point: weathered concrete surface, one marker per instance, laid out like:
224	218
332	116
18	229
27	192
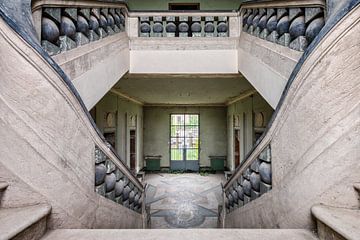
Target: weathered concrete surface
212	131
267	66
184	55
50	141
96	67
314	138
175	234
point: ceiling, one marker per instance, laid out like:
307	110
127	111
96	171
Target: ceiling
183	89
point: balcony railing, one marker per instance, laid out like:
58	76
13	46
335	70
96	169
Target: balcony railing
64	28
115	184
184	26
252	180
291	24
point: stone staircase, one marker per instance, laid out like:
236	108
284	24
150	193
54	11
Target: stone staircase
29	222
335	223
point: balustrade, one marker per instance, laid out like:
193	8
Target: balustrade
113	184
63	29
250	183
293	27
184	26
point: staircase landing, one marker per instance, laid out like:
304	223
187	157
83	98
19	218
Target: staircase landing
174	234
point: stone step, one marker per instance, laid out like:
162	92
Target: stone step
3	186
24	222
172	234
337	222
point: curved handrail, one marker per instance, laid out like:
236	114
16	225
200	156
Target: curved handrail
344	8
18	15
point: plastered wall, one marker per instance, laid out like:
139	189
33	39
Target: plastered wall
124	109
245	110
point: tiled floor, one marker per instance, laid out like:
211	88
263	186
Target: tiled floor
184	200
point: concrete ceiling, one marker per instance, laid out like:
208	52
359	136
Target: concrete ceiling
183	89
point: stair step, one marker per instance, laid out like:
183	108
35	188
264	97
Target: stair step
344	222
172	234
3	186
15	220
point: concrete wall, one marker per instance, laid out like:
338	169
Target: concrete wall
50	142
124	109
164	55
164	4
245	111
267	66
212	131
314	138
94	68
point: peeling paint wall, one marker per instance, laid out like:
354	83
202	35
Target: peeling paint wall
212	131
123	109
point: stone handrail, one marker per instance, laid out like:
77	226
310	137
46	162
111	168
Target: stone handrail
251	180
112	182
64	25
184	24
293	24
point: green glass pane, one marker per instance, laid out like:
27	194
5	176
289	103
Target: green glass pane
192	131
177	119
177	155
192	154
192	143
177	142
177	131
191	119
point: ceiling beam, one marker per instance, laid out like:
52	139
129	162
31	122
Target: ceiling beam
123	95
241	97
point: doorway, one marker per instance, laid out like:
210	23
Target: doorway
184	142
237	147
132	149
184	6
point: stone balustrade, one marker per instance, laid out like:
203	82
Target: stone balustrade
293	27
113	184
184	26
252	182
65	28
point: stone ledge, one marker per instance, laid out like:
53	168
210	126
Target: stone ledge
16	220
343	221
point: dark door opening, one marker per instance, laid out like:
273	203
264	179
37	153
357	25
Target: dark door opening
132	149
184	6
237	147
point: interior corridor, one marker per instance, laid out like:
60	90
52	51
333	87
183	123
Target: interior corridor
188	200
